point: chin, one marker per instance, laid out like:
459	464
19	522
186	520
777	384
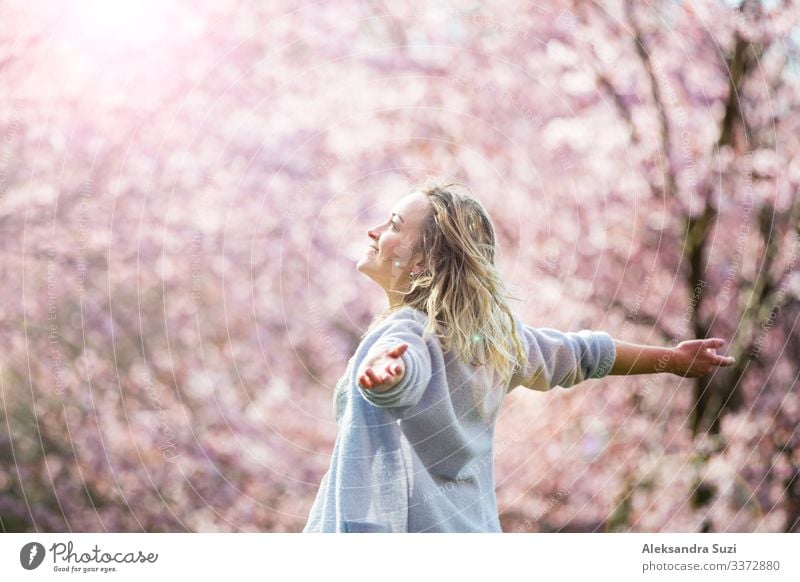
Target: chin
362	268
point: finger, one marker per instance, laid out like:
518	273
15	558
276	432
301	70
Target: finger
365	381
374	377
726	360
714	342
389	369
381	378
397	351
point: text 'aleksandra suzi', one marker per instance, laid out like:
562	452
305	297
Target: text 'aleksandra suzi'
693	549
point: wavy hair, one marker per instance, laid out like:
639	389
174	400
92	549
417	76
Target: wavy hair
460	288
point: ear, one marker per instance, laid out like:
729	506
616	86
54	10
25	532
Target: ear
419	264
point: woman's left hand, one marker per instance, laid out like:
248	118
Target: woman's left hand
698	357
383	369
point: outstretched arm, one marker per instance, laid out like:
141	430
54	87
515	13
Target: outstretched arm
690	358
396	368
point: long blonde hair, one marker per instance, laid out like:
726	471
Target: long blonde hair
460	288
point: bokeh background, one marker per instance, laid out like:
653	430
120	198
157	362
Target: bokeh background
185	189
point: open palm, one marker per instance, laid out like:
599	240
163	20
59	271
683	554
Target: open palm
382	369
694	358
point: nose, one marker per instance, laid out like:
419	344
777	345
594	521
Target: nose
371	233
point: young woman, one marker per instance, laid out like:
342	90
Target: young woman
417	404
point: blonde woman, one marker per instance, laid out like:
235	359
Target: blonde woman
417	404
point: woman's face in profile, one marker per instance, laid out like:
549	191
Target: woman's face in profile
387	259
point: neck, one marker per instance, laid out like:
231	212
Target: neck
395	299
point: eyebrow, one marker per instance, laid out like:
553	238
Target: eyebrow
398	216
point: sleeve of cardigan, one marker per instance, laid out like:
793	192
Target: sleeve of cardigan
563	359
417	360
